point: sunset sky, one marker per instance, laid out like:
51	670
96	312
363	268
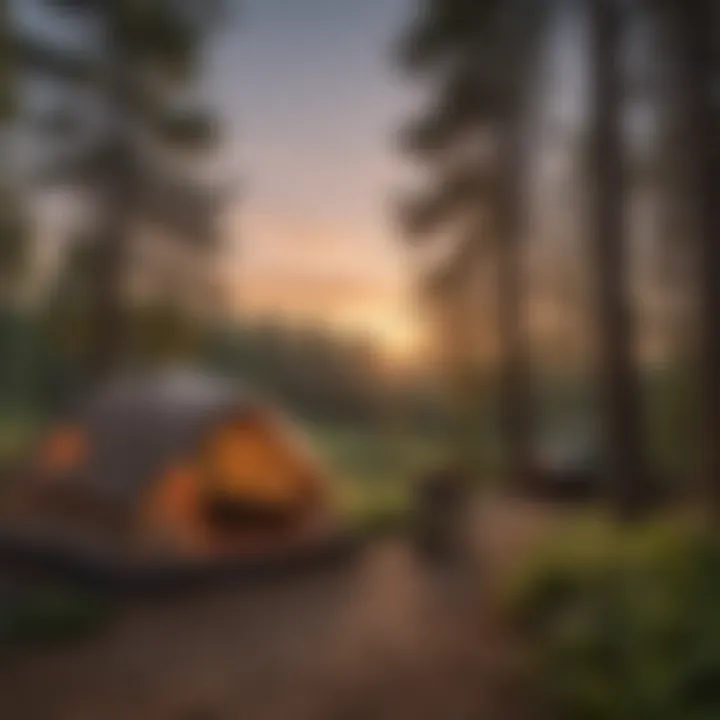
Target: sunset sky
310	101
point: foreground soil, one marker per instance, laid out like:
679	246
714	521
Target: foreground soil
387	637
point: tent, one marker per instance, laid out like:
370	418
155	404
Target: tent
176	464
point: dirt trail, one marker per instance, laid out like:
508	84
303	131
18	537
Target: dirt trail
386	638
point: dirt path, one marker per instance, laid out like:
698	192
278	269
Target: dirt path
387	638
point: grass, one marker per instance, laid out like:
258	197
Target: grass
375	472
17	432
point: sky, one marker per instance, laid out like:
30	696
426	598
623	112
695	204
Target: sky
310	100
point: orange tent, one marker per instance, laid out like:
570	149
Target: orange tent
178	462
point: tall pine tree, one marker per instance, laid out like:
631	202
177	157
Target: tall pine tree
134	146
479	56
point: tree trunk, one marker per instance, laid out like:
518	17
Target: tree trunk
515	385
109	332
109	326
619	383
695	26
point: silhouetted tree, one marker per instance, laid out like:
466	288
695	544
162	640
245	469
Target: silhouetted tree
133	148
482	56
13	222
619	386
693	29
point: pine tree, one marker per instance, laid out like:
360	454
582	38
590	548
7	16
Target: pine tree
480	56
619	382
13	223
134	149
693	31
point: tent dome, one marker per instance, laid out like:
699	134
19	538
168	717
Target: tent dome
138	422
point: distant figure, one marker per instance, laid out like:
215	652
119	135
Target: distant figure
440	500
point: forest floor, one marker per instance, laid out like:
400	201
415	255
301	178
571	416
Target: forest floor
387	637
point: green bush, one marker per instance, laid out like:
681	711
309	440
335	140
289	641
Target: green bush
623	624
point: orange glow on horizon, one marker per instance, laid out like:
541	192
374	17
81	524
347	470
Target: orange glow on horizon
377	309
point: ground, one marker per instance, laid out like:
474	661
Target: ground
386	637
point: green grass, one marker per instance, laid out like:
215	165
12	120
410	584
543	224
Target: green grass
375	472
17	432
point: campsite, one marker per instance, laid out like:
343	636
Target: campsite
359	359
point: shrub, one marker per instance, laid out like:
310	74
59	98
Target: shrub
623	624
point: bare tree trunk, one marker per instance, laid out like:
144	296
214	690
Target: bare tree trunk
619	384
516	387
109	327
695	26
109	332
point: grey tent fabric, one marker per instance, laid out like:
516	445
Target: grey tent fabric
138	423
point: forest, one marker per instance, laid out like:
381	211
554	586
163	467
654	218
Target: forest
553	443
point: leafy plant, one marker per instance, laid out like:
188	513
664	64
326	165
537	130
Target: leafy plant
623	624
